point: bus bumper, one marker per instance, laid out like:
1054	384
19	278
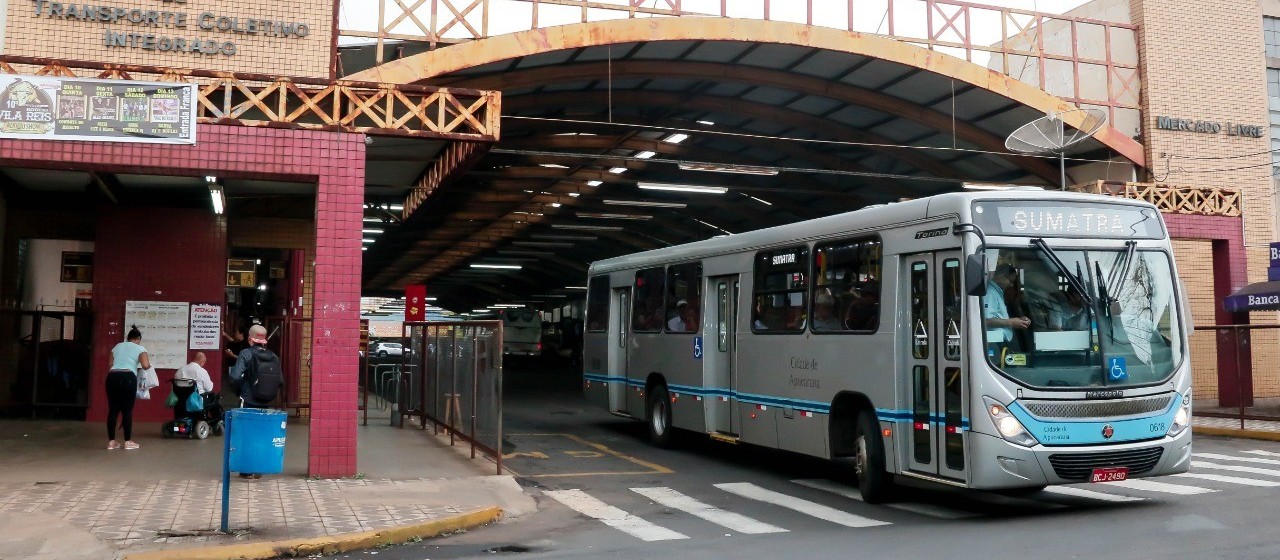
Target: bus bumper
1015	466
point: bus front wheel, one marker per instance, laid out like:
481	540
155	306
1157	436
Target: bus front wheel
873	482
659	416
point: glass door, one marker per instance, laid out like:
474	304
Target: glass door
935	340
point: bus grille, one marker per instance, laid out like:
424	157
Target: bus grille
1078	466
1096	409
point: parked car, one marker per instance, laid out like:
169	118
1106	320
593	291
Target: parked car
384	349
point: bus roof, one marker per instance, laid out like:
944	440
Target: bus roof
871	217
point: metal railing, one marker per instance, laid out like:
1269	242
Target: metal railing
1255	395
1086	61
261	100
451	378
1171	199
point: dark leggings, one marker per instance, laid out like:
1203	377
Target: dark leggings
122	390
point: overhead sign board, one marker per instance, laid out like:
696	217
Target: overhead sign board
56	108
1029	218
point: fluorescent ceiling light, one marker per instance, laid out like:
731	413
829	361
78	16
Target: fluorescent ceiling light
560	244
499	266
683	188
507	305
555	236
760	200
676	138
366	240
210	179
613	216
575	287
729	168
396	207
583	227
708	123
555	204
646	154
594	183
617	170
525	253
479	310
218	199
431	299
649	203
554	165
575	195
371	230
364	248
372	219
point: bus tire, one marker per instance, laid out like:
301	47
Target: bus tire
874	483
658	416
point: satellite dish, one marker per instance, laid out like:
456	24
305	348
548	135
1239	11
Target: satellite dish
1050	135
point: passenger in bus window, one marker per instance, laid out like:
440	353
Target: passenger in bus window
996	311
677	322
824	313
864	309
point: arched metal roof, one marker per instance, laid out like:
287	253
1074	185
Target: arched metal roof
839	120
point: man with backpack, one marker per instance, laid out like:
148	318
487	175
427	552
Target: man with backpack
257	375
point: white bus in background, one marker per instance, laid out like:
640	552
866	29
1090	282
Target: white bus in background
992	340
521	332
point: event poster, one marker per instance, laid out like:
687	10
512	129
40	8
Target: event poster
56	108
164	326
206	326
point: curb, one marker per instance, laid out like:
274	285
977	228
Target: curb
326	545
1236	432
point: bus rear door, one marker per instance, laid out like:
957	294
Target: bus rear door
934	287
718	353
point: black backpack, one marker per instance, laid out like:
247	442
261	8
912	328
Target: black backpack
265	376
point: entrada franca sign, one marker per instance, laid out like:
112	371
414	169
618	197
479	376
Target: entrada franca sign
1209	127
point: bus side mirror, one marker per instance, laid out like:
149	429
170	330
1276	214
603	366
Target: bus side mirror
975	275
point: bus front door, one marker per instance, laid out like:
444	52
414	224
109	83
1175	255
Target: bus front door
718	354
620	393
934	350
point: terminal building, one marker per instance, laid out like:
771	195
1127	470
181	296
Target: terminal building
192	166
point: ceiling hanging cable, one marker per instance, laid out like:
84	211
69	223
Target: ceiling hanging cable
706	132
609	79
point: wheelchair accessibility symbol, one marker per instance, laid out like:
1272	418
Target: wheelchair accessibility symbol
697	348
1116	369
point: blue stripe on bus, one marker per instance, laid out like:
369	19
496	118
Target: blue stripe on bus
1059	432
885	415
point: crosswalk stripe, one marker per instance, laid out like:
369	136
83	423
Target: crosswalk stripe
1234	458
733	521
853	494
1230	479
748	490
1091	494
1236	468
1165	488
1261	452
583	503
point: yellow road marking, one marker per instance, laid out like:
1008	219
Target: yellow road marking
654	468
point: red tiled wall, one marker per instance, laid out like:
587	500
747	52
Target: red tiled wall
335	161
151	254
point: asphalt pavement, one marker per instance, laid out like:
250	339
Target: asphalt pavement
604	492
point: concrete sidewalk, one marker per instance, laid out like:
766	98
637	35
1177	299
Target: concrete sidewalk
63	495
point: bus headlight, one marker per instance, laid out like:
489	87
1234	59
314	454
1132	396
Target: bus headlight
1009	427
1183	418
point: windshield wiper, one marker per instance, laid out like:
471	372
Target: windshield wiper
1076	283
1116	280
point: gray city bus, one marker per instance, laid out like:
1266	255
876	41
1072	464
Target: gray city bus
1007	339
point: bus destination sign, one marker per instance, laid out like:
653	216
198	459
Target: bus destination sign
1066	219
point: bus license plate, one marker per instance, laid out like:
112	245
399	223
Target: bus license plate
1109	474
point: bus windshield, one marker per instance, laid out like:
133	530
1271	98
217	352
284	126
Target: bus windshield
1041	331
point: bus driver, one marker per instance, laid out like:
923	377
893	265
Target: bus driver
994	309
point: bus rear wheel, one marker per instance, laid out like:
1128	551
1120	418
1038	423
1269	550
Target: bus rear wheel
659	416
874	483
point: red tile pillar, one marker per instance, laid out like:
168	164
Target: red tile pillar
335	333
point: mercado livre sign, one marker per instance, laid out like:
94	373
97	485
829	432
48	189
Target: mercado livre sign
169	30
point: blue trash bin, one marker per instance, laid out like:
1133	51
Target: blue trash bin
256	440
